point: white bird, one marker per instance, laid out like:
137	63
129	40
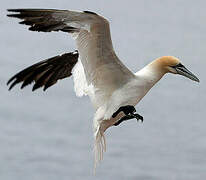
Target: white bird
113	89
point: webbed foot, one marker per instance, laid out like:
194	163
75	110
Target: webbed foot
129	114
125	109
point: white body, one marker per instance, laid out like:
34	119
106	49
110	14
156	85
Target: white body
128	93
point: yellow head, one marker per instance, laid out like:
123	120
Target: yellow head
171	64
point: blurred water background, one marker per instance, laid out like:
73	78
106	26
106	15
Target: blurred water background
48	135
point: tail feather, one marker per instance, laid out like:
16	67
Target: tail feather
99	147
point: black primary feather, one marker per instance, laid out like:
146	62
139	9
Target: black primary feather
90	12
44	20
47	72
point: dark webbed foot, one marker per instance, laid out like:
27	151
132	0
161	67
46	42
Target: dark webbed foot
125	118
125	109
138	117
129	114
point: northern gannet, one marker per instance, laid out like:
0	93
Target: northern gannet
97	71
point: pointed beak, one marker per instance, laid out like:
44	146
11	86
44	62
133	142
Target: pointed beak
182	70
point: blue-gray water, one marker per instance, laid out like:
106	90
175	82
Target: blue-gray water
48	135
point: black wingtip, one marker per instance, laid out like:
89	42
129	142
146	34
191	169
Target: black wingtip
11	10
45	73
23	85
9	81
10	15
17	10
9	89
36	86
45	88
90	12
12	85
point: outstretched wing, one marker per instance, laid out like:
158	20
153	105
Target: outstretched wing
46	73
103	70
99	66
47	20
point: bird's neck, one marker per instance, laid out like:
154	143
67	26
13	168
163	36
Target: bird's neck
150	74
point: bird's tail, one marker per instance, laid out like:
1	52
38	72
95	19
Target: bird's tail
99	143
100	125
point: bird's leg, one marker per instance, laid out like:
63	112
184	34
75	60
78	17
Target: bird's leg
129	114
125	118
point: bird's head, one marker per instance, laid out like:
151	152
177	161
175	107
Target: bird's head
171	64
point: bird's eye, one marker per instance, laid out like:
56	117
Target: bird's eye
178	66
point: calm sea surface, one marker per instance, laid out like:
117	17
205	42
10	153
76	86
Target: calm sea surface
48	135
